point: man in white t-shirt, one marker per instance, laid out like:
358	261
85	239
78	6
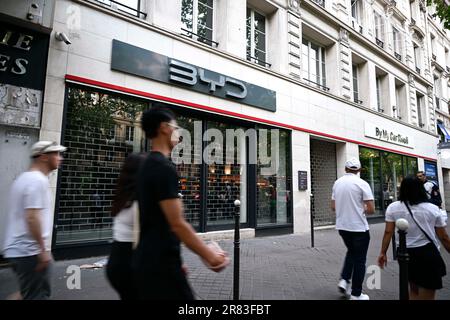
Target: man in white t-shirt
27	239
352	198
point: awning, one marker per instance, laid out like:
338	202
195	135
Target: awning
444	131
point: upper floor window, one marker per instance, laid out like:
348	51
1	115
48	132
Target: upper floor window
129	6
355	84
417	57
354	4
378	88
197	19
420	111
256	37
433	47
379	29
313	63
396	43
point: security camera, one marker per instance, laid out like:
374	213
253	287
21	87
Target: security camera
60	36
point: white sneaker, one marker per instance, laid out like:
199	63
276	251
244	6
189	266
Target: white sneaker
344	287
363	296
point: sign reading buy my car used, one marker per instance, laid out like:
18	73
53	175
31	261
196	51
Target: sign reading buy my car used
386	134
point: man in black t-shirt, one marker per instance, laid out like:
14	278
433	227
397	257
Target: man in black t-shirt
157	261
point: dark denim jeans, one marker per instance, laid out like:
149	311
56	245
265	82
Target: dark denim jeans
357	244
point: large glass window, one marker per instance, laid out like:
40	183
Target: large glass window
379	29
313	63
273	189
98	137
197	19
384	172
396	43
355	83
256	37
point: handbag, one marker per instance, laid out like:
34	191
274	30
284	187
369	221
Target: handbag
441	262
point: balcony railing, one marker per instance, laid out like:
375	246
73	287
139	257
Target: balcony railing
438	106
398	56
124	8
413	22
358	101
379	43
320	3
199	37
418	70
448	68
433	56
260	62
313	83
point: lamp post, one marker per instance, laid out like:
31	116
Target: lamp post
403	258
237	221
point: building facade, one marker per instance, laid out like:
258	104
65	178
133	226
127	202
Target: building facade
323	80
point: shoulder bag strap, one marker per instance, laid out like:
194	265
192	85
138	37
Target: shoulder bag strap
426	234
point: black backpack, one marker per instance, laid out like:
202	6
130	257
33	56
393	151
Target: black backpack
435	195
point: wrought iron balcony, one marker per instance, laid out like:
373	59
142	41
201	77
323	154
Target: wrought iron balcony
200	38
433	56
320	3
379	43
313	83
417	69
398	56
124	8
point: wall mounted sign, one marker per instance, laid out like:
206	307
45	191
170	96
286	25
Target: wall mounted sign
141	62
389	135
302	180
23	63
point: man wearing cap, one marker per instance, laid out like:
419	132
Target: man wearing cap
352	199
27	238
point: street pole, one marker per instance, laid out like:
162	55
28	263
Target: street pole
237	221
403	258
311	219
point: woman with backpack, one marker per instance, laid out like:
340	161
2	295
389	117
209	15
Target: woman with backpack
426	266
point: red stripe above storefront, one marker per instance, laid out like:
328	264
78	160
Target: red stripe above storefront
144	94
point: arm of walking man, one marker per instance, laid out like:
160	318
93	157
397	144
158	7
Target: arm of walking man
388	232
333	205
173	211
370	206
33	219
443	237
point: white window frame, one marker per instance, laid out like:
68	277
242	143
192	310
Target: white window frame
252	36
195	4
322	65
417	55
355	83
395	40
379	26
378	88
420	123
355	9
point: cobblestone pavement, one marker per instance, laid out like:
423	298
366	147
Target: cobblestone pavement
272	268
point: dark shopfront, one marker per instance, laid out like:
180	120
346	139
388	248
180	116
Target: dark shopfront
102	128
384	172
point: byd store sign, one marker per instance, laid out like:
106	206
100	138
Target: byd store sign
151	65
388	135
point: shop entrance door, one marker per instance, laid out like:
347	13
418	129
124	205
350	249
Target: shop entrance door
323	176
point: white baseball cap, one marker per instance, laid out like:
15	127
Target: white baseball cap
42	147
353	164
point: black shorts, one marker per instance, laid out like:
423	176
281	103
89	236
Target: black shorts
424	267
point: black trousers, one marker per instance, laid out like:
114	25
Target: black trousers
354	268
119	271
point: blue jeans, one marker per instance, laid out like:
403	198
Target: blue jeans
357	244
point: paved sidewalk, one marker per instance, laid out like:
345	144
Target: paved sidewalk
277	267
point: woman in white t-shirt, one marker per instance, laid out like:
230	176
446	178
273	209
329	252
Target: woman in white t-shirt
124	210
425	267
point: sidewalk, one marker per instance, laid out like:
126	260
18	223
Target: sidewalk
272	268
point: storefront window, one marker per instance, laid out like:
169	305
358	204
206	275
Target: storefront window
370	172
273	190
226	176
98	138
190	172
384	171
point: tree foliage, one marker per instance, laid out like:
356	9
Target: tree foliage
442	11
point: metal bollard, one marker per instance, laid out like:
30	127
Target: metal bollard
403	258
237	222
